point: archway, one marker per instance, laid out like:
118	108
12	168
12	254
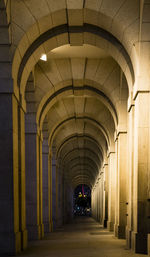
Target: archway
82	200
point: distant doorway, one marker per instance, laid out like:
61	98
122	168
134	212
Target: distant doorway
82	201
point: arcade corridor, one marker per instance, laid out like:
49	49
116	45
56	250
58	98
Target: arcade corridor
83	238
74	111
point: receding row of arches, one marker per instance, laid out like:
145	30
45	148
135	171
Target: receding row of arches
79	117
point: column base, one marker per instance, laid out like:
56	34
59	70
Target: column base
10	243
17	239
105	223
51	226
46	228
119	231
59	223
148	244
110	225
139	242
41	231
115	230
128	238
34	232
54	224
24	238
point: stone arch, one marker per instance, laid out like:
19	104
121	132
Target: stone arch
106	135
50	99
89	137
27	61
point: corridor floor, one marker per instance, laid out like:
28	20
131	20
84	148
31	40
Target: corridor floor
83	238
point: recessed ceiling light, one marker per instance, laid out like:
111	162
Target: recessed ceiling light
43	57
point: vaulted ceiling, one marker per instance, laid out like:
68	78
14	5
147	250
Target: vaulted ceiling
78	97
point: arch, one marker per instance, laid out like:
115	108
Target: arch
81	171
96	123
77	135
84	159
124	60
82	180
81	149
77	183
50	98
74	29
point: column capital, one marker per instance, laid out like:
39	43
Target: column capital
142	86
121	130
39	133
109	153
104	165
131	102
23	103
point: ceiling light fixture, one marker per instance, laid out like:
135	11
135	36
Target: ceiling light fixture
43	57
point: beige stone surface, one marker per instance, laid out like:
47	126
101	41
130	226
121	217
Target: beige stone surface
85	107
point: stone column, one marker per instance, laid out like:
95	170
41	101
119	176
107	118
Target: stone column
50	190
33	180
129	203
54	183
22	192
105	196
68	202
141	194
94	203
60	198
121	198
111	193
13	234
101	195
46	194
97	201
40	171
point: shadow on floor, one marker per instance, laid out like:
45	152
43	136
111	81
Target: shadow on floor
84	237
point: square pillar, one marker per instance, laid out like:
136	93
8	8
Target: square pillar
59	196
33	180
101	196
13	233
121	180
129	203
105	196
46	184
141	177
54	189
111	192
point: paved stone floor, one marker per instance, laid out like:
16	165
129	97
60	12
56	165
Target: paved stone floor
83	238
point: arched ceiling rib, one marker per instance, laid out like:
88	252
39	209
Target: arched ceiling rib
82	180
74	29
80	158
79	144
99	139
81	161
83	118
75	152
70	91
79	101
121	17
85	139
